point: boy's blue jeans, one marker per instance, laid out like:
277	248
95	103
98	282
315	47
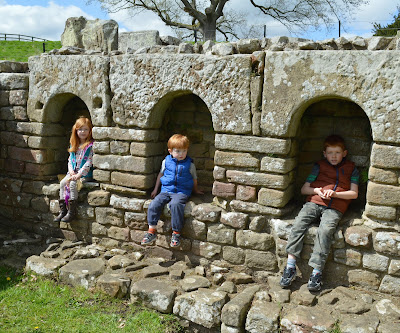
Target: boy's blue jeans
177	202
323	241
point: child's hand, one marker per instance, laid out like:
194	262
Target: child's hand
318	190
153	194
76	177
329	194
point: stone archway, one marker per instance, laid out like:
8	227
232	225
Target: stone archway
334	116
68	108
188	115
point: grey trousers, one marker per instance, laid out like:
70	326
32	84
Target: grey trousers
323	241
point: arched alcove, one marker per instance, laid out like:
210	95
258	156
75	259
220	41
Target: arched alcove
66	108
188	115
334	116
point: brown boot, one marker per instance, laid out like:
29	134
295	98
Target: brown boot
63	211
71	211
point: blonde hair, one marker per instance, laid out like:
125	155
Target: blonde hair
178	141
74	140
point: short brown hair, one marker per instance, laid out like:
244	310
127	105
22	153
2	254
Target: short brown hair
334	141
178	141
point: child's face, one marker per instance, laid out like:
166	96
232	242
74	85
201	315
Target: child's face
83	133
334	154
179	154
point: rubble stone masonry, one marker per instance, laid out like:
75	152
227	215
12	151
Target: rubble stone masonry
256	112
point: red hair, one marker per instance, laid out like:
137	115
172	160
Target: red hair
178	141
334	141
74	140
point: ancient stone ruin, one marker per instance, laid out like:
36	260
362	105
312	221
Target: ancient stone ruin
256	112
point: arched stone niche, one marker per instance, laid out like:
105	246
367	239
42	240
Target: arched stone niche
333	116
65	108
186	113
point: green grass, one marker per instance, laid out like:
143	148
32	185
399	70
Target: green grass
21	51
33	304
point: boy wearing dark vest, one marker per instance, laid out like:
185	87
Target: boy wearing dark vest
177	178
330	187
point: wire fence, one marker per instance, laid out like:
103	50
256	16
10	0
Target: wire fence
23	38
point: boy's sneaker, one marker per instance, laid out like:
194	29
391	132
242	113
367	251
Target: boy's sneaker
175	240
148	238
315	283
289	274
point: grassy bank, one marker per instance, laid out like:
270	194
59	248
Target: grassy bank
21	51
32	304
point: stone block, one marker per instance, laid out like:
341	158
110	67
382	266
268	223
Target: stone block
14	81
385	156
124	163
39	142
382	176
202	307
207	250
387	242
18	97
258	179
221	234
147	149
101	147
44	266
194	282
394	267
206	212
275	198
136	181
252	144
254	240
380	212
252	207
98	198
375	262
121	234
106	215
278	165
138	39
246	193
249	45
219	172
119	147
302	319
157	295
358	236
263	317
98	229
131	204
114	285
390	285
30	155
224	190
261	260
235	219
243	160
234	312
4	95
194	229
233	255
82	272
126	134
386	195
348	257
102	175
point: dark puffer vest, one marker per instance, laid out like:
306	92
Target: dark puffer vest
177	177
335	178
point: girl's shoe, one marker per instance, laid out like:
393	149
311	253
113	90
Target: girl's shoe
175	240
148	238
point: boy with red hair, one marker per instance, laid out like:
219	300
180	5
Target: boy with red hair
177	178
330	187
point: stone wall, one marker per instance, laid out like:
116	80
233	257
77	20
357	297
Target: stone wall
256	113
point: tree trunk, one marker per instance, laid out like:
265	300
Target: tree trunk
209	30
